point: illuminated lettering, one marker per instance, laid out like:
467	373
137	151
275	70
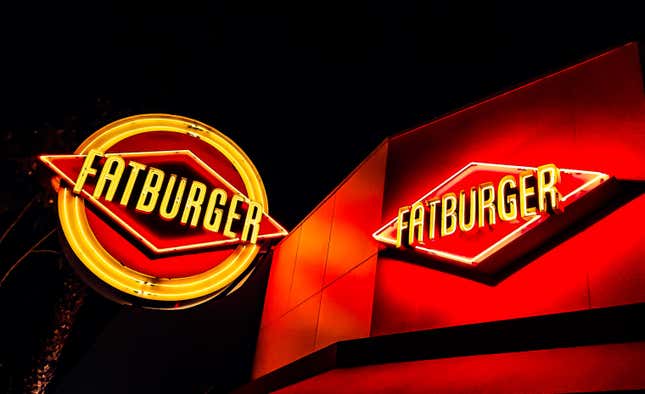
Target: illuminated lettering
112	171
486	201
166	195
232	216
134	173
150	192
164	213
463	224
525	193
86	170
415	233
196	196
252	221
532	192
504	199
433	217
546	188
213	216
401	225
448	214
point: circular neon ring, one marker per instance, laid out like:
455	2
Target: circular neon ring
91	253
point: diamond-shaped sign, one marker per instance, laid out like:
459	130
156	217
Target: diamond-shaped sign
161	211
470	243
159	235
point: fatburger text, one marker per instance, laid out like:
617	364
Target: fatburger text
214	210
531	193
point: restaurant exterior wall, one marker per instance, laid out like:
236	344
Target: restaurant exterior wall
330	280
321	285
589	117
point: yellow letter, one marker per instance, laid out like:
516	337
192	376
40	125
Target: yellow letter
136	167
463	226
503	199
196	196
401	225
525	193
486	202
109	174
448	213
232	215
417	214
433	217
151	188
163	208
253	217
213	216
86	170
544	187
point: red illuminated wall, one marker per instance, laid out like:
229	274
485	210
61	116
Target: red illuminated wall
321	286
328	282
585	369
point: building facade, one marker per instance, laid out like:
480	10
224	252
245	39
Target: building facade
345	313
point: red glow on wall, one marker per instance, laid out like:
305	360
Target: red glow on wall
583	369
472	247
156	235
591	117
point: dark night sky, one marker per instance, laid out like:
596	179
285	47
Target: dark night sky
307	89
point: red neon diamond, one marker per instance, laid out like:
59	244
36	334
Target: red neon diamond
158	236
475	246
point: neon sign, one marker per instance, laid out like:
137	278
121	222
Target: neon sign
483	208
163	209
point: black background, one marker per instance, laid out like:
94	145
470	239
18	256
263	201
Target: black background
307	89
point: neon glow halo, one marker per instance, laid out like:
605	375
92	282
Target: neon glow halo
99	262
